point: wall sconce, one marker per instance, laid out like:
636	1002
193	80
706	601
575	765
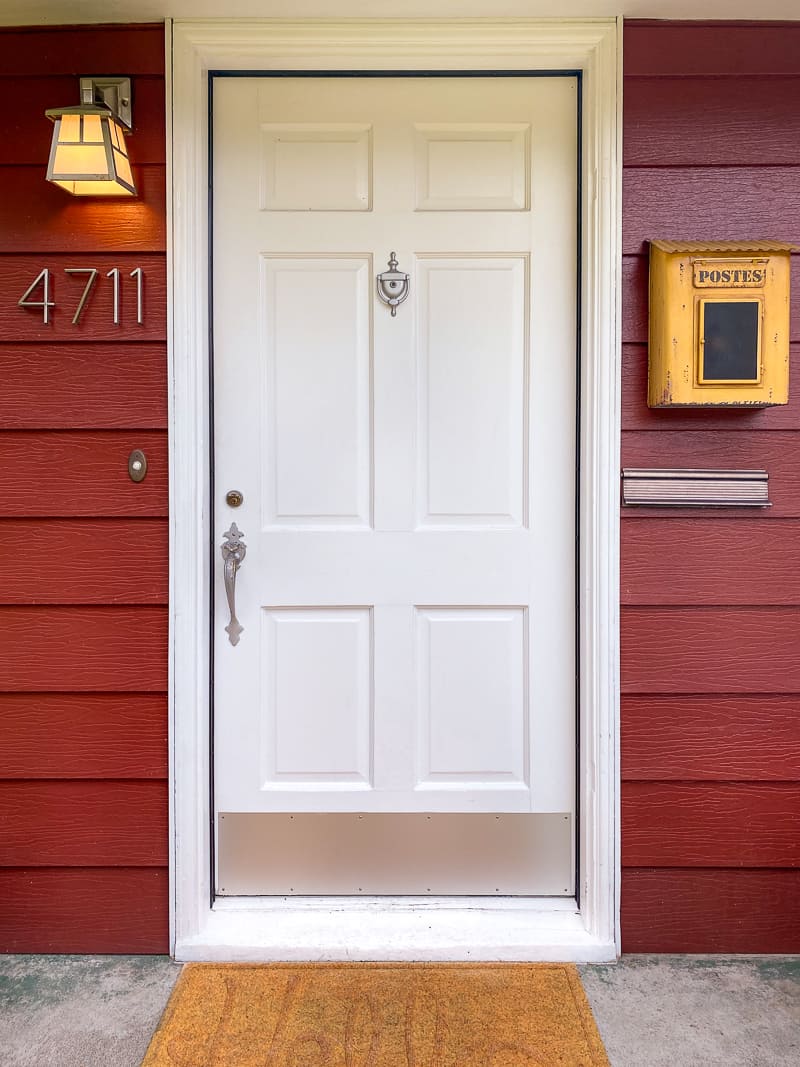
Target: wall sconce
88	156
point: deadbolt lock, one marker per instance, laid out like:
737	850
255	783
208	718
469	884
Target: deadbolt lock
234	499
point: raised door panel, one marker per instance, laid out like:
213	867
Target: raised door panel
323	167
472	167
316	729
472	373
473	698
316	391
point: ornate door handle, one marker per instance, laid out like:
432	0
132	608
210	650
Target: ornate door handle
393	285
233	552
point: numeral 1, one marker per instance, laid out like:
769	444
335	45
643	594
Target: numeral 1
114	275
45	303
138	274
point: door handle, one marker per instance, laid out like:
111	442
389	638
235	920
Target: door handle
233	552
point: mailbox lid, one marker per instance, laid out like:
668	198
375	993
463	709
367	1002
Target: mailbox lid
723	247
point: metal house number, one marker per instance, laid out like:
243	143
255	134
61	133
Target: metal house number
43	282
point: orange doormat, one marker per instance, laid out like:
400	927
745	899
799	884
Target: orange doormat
377	1015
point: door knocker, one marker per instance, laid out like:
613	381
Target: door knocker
393	286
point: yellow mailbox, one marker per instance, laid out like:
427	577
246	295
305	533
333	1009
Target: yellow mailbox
719	324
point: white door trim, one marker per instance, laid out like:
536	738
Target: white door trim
450	928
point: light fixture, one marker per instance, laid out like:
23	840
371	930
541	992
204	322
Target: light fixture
88	156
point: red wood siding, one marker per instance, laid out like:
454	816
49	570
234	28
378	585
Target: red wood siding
706	561
33	215
25	99
710	650
111	386
86	561
53	473
83	824
101	735
83	649
84	909
710	599
71	50
720	824
710	738
96	324
710	910
83	566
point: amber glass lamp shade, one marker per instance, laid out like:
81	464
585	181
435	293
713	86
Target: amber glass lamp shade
88	156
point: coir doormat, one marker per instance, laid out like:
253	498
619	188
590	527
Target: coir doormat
377	1015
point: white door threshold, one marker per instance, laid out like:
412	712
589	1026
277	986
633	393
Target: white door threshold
253	930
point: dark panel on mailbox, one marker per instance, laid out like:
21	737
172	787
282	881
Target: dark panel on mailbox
730	331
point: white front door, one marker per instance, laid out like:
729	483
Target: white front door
398	713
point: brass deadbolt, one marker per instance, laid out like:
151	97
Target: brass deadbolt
234	499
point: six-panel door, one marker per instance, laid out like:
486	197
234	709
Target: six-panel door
408	591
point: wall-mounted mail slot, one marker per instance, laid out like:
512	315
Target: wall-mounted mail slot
719	324
660	488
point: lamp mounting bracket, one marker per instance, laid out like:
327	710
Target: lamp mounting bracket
114	92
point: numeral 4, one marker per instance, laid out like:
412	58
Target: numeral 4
45	303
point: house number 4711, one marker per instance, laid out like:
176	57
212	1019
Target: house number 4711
43	283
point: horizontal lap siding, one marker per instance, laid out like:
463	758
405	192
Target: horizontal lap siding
83	649
34	216
51	473
84	560
24	100
732	738
710	910
101	386
777	452
83	824
710	562
84	909
710	599
722	824
101	735
710	649
702	203
96	322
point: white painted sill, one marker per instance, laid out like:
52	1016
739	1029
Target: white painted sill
403	929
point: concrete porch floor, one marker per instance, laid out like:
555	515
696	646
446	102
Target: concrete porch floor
652	1011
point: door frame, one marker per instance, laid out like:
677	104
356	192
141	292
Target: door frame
393	928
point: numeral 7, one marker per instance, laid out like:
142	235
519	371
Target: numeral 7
92	272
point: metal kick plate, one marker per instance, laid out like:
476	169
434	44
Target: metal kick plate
395	854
